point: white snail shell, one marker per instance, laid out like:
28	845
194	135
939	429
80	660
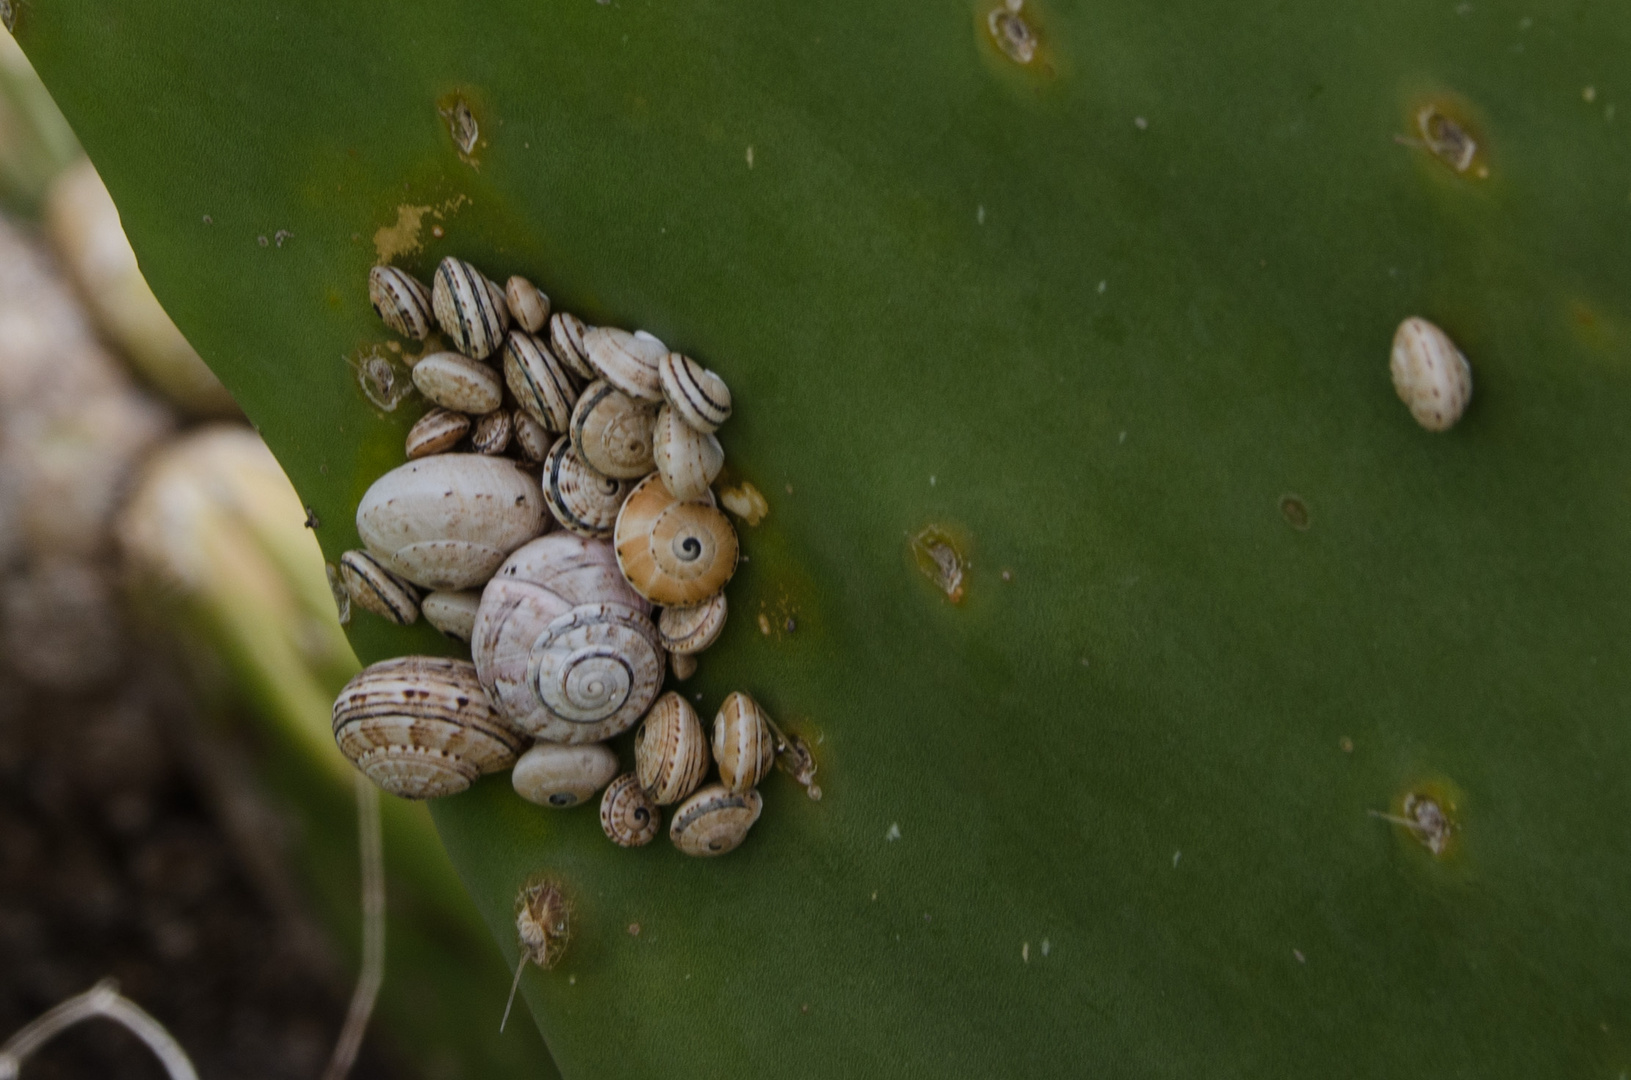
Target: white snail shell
370	585
566	341
454	381
673	552
744	745
627	815
700	397
491	434
447	521
541	384
581	499
554	774
420	726
714	821
471	310
612	432
437	432
1430	374
626	361
686	631
531	438
451	611
686	459
401	301
670	750
529	306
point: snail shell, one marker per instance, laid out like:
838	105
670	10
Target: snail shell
437	432
612	432
447	521
670	750
715	820
686	631
531	438
581	499
686	459
627	814
553	774
672	552
401	300
1430	374
453	612
528	304
626	361
700	397
454	381
744	745
566	340
682	665
372	586
540	383
471	310
420	726
491	435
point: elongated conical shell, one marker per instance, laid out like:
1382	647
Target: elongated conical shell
437	432
1430	374
627	815
686	631
471	310
612	432
686	459
670	750
370	585
541	385
744	745
453	612
401	301
554	774
673	552
714	821
529	306
626	361
566	341
699	396
581	499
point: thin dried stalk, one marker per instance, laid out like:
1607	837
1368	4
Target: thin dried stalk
104	1000
372	974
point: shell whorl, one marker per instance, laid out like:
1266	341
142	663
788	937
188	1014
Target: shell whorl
581	499
714	821
672	552
744	745
541	384
670	750
401	300
612	432
699	396
627	815
689	630
471	310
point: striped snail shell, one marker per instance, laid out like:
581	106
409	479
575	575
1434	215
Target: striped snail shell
627	361
612	432
672	552
437	432
686	631
714	821
454	381
401	301
372	586
686	459
627	814
565	649
471	310
531	437
453	612
529	306
670	750
581	499
744	745
540	383
700	397
566	341
1430	374
682	665
420	726
491	435
554	774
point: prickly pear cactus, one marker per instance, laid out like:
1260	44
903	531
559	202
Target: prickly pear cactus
1181	706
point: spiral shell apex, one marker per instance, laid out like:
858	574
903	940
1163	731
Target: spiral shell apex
670	750
471	310
714	821
401	301
627	814
612	432
673	552
581	499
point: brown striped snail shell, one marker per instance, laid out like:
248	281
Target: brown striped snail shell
529	305
401	300
714	821
491	434
699	396
420	727
454	381
370	585
1430	374
437	432
452	611
672	552
558	775
471	310
566	341
744	745
541	384
627	361
581	499
612	432
627	814
670	750
686	631
531	437
686	459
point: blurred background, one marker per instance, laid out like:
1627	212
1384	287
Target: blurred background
173	811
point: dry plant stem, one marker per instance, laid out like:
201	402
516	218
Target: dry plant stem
103	999
373	932
521	965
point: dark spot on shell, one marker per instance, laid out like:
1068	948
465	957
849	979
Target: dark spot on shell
561	798
463	701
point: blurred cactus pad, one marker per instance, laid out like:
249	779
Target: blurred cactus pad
1105	332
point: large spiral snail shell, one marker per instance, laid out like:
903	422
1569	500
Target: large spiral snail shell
554	774
471	310
744	745
700	397
714	821
686	459
376	589
686	631
673	552
541	385
627	814
670	750
627	361
401	301
612	432
566	340
581	499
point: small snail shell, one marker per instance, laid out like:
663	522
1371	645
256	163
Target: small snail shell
540	383
531	438
566	341
454	381
372	586
744	745
420	726
686	631
627	362
491	435
715	820
682	665
447	521
581	499
686	459
672	552
670	750
528	304
1430	374
453	612
471	310
401	300
553	774
627	814
700	397
437	432
612	432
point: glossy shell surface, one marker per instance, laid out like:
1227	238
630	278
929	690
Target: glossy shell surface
437	432
558	775
744	745
670	750
452	611
672	552
541	385
454	381
686	459
580	498
612	432
686	631
1430	374
627	815
714	821
566	341
529	307
371	586
491	434
401	300
471	310
700	397
627	361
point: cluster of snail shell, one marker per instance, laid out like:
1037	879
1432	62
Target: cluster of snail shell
557	492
